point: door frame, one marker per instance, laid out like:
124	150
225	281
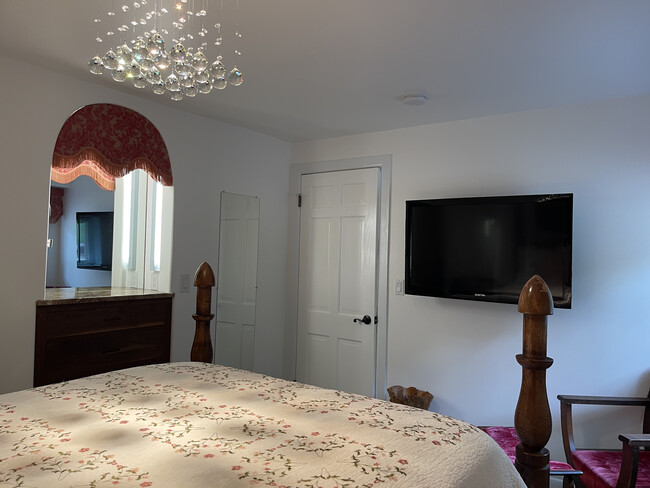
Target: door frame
384	163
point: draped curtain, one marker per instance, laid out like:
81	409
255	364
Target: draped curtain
56	204
105	141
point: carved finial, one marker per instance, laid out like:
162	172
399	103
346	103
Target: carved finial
202	345
533	415
536	298
204	275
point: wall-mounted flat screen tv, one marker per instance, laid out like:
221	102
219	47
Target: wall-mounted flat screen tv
95	240
487	248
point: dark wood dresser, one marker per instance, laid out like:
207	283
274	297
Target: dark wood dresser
86	331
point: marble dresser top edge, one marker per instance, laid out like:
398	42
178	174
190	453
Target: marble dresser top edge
59	296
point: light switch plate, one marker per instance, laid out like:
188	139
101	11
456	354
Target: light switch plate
399	287
154	280
185	283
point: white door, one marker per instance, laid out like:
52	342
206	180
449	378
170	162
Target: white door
237	282
337	280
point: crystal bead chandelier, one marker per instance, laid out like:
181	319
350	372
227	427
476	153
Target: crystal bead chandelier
180	68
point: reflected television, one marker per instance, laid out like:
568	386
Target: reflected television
486	248
95	240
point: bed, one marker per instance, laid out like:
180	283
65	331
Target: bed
203	425
196	424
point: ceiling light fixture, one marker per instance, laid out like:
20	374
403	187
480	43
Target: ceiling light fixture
414	99
180	68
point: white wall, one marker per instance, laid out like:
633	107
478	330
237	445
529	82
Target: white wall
53	274
463	352
80	195
207	157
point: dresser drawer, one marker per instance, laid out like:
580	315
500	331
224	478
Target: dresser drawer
64	320
76	340
84	355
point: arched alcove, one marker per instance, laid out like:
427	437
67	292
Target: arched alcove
123	153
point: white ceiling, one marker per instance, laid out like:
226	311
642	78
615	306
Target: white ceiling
318	69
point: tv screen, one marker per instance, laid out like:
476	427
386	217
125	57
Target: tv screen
487	248
95	240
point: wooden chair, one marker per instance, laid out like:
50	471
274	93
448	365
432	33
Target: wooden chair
626	468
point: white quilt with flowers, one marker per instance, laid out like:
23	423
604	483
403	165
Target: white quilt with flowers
197	425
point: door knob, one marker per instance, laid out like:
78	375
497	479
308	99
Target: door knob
365	320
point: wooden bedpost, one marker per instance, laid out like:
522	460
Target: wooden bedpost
202	345
533	415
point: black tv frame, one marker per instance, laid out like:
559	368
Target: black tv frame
563	300
104	235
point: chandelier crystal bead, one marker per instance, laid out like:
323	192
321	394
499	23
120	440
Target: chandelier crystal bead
140	82
219	83
96	66
159	88
124	54
235	77
110	60
172	83
118	74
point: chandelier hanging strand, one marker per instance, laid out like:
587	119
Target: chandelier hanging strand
235	77
180	68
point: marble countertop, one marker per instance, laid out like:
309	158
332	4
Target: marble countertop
59	296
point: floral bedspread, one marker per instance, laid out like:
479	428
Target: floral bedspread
198	425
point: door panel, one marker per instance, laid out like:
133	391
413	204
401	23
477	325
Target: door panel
237	284
337	280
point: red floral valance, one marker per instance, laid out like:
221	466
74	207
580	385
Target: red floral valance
105	142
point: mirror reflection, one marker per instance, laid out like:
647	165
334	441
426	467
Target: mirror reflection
111	202
69	252
133	251
237	280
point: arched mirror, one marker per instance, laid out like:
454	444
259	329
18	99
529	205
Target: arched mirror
111	203
237	280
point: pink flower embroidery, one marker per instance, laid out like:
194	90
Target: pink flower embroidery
84	449
315	433
208	455
236	468
146	483
403	461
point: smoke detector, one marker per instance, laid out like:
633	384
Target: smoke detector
414	99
